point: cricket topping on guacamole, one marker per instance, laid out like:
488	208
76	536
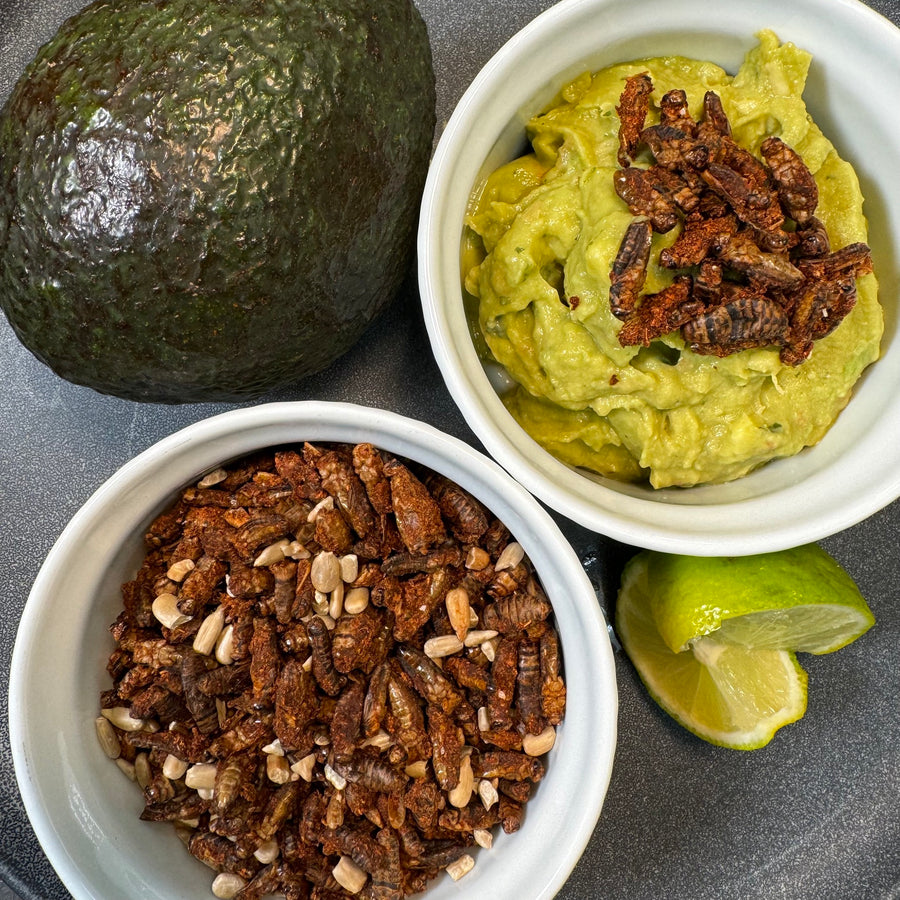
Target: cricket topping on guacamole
575	296
763	272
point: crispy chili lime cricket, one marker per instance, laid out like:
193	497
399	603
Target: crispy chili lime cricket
335	673
755	265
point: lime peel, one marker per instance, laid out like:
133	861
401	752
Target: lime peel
798	599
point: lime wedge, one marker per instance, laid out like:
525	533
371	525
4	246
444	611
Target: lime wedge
724	693
799	599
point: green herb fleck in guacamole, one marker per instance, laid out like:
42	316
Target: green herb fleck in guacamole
541	238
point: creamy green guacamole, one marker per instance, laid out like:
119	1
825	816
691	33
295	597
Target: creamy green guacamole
547	226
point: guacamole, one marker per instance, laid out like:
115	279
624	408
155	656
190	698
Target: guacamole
541	237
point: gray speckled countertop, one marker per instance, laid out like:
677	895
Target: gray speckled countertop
814	815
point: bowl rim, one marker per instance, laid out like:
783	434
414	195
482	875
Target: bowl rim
580	619
703	520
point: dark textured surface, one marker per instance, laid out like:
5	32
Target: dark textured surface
170	181
814	815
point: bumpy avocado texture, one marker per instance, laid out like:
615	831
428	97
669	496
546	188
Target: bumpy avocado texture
205	199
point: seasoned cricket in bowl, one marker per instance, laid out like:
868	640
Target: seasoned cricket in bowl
676	277
335	673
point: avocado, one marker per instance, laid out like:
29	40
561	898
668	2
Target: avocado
205	199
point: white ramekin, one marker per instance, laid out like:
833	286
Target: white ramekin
854	80
84	810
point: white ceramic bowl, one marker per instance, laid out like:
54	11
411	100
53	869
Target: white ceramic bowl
85	812
854	81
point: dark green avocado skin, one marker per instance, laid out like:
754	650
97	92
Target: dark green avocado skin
205	199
